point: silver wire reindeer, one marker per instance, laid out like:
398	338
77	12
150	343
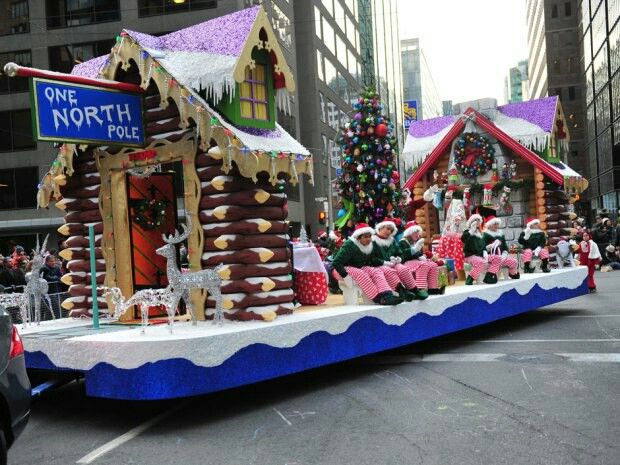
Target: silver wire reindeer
37	287
183	283
143	299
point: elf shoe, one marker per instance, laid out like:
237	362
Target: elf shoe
515	276
545	266
421	294
406	294
387	298
469	280
490	278
527	268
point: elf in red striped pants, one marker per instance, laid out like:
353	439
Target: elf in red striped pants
475	251
355	259
426	271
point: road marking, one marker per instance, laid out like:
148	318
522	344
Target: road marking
602	357
536	340
526	381
129	435
589	316
283	417
478	357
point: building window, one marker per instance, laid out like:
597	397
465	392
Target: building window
14	84
69	13
253	95
554	11
162	7
567	9
64	57
571	93
19	188
18	21
16	130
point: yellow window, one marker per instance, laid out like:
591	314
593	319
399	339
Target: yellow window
253	94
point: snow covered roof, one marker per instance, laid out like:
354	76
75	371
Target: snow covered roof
530	123
498	125
209	56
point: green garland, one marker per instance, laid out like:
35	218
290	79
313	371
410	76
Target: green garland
149	214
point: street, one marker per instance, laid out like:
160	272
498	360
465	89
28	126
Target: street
541	388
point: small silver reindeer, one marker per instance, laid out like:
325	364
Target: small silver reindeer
143	299
183	283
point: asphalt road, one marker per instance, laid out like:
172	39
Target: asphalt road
541	388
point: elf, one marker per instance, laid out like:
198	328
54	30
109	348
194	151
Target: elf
496	247
590	256
533	239
387	257
475	251
355	259
426	271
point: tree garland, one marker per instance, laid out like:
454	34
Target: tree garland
149	214
473	155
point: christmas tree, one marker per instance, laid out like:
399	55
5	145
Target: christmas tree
370	182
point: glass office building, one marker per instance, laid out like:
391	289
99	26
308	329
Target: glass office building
600	43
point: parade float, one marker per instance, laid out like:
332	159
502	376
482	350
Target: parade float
207	95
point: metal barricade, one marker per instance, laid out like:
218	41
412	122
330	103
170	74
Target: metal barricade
57	293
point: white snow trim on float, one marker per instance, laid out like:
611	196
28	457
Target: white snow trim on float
218	343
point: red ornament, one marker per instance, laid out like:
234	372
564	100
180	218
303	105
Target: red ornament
381	130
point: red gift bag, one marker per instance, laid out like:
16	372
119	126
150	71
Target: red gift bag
310	287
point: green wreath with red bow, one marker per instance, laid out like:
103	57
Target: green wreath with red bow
473	155
149	214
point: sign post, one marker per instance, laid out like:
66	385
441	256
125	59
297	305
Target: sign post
93	276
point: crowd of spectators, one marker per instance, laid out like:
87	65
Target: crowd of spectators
16	268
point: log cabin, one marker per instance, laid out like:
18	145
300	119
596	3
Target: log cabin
212	141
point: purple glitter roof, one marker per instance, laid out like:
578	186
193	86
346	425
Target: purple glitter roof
540	112
90	68
429	127
225	35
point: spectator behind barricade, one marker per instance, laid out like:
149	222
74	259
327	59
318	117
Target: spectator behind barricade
50	271
611	259
602	235
6	278
18	275
17	256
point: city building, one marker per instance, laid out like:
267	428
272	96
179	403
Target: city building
344	45
600	45
555	67
418	83
517	83
57	34
447	107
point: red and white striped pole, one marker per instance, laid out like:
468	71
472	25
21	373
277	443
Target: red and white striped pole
13	69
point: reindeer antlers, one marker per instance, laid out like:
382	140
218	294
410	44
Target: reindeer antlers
41	250
176	238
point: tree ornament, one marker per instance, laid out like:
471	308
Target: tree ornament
360	168
381	130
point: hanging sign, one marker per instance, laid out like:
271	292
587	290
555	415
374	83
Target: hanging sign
67	112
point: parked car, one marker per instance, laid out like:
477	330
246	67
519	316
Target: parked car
14	385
